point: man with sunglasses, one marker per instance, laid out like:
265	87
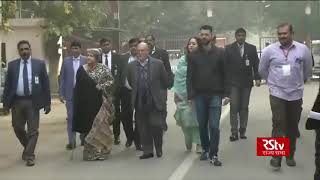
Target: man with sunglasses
26	91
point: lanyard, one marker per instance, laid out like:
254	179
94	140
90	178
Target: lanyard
286	52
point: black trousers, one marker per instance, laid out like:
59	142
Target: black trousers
239	106
285	118
317	155
124	114
24	113
150	133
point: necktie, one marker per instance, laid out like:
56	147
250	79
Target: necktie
107	61
241	50
25	79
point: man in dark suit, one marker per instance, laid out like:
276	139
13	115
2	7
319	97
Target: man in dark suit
148	79
125	96
162	55
112	60
67	83
242	63
26	91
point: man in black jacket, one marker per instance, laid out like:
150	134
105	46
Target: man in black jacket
112	60
243	63
161	54
207	85
125	96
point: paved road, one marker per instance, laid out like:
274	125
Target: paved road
239	158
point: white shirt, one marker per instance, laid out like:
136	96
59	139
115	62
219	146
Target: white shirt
76	65
109	59
20	87
153	50
241	47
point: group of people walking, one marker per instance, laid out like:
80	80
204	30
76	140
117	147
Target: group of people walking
109	89
105	89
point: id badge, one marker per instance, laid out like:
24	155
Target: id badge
36	80
286	70
247	62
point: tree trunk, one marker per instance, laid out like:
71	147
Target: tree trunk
51	49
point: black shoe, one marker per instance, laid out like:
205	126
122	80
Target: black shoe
117	140
82	143
291	162
215	161
138	148
70	146
275	163
129	143
146	156
24	157
298	135
159	154
234	137
243	136
204	156
30	162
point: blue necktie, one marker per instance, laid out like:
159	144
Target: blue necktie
25	79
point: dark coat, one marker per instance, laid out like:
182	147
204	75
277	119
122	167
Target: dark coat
207	73
116	72
242	75
87	102
40	91
313	121
123	65
159	82
163	55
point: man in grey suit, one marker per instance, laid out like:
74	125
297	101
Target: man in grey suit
68	73
26	91
148	79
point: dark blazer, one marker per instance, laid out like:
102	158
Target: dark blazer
115	70
159	82
122	66
67	77
163	55
242	75
40	92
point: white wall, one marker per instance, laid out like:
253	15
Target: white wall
24	29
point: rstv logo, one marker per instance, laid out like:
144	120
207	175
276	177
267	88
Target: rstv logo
267	146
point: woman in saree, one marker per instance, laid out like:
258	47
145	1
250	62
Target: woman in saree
93	108
185	114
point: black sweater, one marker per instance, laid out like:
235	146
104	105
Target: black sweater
207	73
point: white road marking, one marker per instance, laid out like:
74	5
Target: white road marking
184	167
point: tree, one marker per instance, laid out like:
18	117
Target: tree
63	18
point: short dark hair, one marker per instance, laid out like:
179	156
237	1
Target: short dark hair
241	30
152	37
206	27
285	24
75	44
133	40
23	42
103	40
